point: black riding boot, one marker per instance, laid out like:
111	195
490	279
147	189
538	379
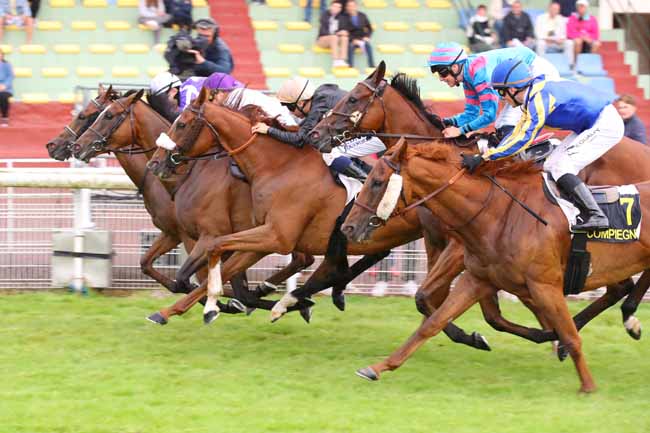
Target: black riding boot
354	170
581	196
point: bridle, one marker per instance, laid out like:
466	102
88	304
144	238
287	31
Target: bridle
89	121
376	221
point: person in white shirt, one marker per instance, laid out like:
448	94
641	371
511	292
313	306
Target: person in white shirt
550	28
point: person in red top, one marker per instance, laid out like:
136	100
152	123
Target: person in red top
583	29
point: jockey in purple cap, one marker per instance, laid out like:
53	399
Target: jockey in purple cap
192	86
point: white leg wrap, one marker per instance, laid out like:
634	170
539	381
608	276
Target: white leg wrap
288	300
215	288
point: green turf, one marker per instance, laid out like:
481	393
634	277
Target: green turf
92	364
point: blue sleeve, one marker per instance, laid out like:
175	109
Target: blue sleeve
479	94
529	126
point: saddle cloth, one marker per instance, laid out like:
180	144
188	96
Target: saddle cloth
621	204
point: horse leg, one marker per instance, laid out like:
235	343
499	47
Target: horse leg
631	323
550	300
467	292
364	263
195	261
299	262
161	245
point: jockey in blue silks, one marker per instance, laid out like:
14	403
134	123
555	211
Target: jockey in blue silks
454	67
595	124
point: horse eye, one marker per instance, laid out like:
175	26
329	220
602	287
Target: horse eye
109	115
180	125
81	116
352	100
377	183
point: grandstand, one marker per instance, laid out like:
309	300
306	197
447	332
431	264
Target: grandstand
100	41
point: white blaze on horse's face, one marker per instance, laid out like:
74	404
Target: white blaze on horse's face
391	196
165	142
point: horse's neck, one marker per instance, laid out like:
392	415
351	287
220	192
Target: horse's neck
398	121
135	166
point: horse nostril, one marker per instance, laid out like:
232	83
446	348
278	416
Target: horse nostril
315	135
347	229
76	148
152	164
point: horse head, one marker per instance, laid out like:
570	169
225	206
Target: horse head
109	132
60	147
378	197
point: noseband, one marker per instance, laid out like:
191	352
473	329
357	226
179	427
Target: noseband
89	121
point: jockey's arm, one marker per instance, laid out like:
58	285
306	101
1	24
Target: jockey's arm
529	126
480	94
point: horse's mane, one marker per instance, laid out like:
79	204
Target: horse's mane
408	87
440	151
161	105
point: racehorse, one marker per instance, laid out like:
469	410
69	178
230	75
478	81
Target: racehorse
519	254
396	110
200	211
295	201
60	147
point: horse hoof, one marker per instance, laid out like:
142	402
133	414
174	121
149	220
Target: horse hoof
237	304
368	374
210	317
480	342
305	313
275	316
157	318
562	352
338	299
249	310
633	327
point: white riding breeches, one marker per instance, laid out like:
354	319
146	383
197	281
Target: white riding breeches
355	148
577	151
509	116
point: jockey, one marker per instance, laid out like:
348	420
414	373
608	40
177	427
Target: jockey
241	97
454	67
164	94
595	124
305	101
192	86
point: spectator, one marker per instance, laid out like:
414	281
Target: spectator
360	30
567	7
16	12
181	13
200	56
498	9
583	29
153	16
332	34
308	7
34	6
479	32
634	128
6	89
550	28
518	28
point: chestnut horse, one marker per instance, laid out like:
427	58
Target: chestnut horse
295	200
212	209
519	254
394	110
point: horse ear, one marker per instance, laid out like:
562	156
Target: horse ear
400	150
378	74
100	90
203	94
137	96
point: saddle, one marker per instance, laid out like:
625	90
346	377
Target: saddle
537	152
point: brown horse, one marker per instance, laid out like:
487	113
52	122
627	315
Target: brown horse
394	110
519	254
60	147
202	210
295	199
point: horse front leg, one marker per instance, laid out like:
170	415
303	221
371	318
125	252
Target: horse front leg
629	307
161	245
467	292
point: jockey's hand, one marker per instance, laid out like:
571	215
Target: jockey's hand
198	57
471	162
260	128
451	132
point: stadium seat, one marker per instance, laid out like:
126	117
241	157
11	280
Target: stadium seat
67	49
136	48
199	3
22	72
375	4
54	72
311	72
83	25
297	25
279	3
35	98
102	48
604	85
264	25
127	3
590	65
125	72
428	26
90	72
421	48
561	62
314	3
438	4
68	98
152	71
395	26
160	48
413	72
7	49
61	3
345	72
291	48
320	50
32	49
49	25
390	48
94	3
277	72
117	25
407	4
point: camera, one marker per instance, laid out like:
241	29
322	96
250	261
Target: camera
185	42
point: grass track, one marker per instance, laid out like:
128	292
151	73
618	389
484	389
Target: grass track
92	364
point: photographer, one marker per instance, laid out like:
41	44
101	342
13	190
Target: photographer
199	56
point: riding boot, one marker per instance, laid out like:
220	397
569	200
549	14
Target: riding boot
354	170
581	196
